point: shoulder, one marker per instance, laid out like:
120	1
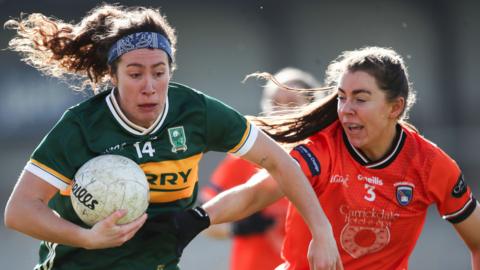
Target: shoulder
429	158
181	92
178	90
424	147
326	139
91	105
316	149
184	98
323	140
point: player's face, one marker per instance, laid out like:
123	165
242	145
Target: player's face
366	116
283	99
142	80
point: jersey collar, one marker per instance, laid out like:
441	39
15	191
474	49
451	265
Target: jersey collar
383	162
129	125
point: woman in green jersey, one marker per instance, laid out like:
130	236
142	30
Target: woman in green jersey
129	53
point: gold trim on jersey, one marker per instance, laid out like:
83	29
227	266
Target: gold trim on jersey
172	180
49	172
247	141
129	125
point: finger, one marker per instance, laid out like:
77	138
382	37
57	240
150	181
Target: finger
133	230
129	235
134	225
114	217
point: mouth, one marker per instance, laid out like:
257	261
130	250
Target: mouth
147	107
353	128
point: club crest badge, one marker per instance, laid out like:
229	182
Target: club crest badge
177	139
404	194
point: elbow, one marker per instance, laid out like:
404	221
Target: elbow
10	217
280	163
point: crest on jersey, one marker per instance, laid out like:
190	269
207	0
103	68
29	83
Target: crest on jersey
404	194
177	139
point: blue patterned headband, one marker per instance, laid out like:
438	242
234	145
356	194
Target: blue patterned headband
139	40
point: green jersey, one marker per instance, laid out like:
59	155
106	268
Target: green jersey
169	152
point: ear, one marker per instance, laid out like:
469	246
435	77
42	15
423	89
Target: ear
397	107
113	77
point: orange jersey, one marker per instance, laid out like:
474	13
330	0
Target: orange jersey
377	209
257	251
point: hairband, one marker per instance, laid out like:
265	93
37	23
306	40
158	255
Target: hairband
139	40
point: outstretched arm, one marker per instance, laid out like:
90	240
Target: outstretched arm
28	205
469	230
243	200
258	193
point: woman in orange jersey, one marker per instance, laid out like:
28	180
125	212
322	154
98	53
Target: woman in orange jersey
257	239
373	173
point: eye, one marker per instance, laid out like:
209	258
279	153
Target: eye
341	98
134	75
360	100
159	74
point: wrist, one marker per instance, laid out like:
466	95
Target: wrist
202	216
84	239
321	231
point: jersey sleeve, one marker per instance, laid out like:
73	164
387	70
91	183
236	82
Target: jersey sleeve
227	130
309	163
447	187
55	158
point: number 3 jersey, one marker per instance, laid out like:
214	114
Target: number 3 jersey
169	153
377	209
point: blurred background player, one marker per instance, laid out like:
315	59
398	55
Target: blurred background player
257	239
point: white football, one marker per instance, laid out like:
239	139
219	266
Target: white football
108	183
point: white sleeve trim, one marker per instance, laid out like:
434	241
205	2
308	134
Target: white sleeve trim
459	212
249	142
46	176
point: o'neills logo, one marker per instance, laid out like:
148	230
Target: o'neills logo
84	196
371	180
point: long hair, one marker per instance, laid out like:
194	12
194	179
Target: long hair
78	53
299	123
292	77
385	65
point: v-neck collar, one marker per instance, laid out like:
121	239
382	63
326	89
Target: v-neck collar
383	162
129	125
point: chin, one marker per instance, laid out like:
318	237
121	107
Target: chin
357	143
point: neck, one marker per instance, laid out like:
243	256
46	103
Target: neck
146	124
381	146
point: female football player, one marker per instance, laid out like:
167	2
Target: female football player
373	173
164	126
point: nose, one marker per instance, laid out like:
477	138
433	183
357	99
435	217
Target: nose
149	86
345	107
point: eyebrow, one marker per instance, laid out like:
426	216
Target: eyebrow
357	91
140	65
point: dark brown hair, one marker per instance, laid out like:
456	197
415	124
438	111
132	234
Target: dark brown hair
384	64
78	52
